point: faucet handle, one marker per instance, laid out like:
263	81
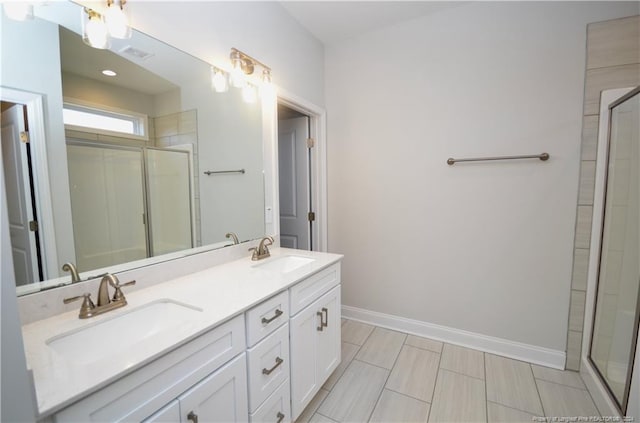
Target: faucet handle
86	307
118	295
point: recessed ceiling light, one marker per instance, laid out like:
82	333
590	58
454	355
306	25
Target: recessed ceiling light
109	72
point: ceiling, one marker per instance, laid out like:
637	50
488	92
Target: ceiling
335	21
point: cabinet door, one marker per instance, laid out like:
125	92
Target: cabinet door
315	348
220	397
303	343
329	339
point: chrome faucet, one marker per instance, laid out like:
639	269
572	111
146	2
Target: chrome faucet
234	236
70	267
89	309
262	251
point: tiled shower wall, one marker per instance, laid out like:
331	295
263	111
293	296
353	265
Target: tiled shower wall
179	129
613	61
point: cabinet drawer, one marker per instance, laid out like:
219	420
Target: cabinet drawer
141	393
268	366
276	409
310	289
266	317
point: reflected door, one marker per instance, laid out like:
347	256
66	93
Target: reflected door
169	198
293	173
15	164
615	326
107	203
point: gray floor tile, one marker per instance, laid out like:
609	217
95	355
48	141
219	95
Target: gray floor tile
424	343
319	418
354	397
497	413
355	332
563	401
393	407
511	383
462	360
458	398
414	373
382	348
308	412
348	352
563	377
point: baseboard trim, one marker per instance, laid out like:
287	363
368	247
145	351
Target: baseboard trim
517	350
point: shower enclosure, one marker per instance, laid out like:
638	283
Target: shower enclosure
128	203
616	315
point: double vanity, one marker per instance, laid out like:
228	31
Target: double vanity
241	341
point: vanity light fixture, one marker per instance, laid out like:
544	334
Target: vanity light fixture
243	66
94	29
219	81
117	19
18	10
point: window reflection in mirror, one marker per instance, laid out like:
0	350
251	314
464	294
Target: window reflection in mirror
117	200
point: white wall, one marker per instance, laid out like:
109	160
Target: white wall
34	46
485	248
263	30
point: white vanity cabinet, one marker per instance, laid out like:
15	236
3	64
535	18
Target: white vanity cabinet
182	371
263	365
315	335
221	397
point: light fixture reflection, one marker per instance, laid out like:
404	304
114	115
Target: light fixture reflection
109	72
94	29
117	19
249	93
219	80
18	10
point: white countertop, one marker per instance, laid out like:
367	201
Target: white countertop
222	292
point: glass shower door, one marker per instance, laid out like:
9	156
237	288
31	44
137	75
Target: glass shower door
615	327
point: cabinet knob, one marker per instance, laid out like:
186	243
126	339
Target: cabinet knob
280	417
193	417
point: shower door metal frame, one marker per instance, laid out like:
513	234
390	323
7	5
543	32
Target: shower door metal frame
625	399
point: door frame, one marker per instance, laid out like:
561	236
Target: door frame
40	167
598	390
317	131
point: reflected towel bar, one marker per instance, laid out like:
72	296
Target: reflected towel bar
543	157
220	172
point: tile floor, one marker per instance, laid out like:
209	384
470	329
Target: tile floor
389	376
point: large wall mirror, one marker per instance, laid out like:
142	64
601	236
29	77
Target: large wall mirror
144	161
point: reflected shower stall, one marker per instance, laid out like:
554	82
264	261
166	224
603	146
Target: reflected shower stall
614	334
128	203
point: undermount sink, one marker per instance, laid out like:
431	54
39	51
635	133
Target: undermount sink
285	264
99	340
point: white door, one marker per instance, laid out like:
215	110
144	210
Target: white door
304	355
329	339
293	167
220	397
16	171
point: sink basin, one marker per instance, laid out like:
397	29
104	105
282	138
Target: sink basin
285	264
97	341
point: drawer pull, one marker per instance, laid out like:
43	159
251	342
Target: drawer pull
267	321
193	417
326	317
280	417
269	371
320	328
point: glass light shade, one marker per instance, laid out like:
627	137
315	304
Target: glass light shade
237	75
18	10
94	30
249	93
117	21
219	80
